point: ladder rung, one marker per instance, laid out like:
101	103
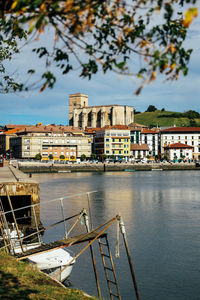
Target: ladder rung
117	296
108	268
106	255
105	244
113	282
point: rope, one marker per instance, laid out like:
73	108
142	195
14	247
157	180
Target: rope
117	242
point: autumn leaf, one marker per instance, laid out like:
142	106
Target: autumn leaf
43	87
190	14
172	66
14	5
153	77
172	48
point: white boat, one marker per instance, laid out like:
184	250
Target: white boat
26	247
54	263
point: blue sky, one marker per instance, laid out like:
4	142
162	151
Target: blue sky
51	106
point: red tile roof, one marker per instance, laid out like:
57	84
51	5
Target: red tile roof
110	127
51	128
144	130
182	129
13	126
92	130
139	147
116	127
12	131
178	146
136	125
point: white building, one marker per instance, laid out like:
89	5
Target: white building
139	151
151	138
178	151
184	135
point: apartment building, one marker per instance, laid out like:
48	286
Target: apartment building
184	135
151	138
144	141
51	140
113	141
5	135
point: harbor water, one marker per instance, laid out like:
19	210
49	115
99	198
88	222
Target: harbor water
161	212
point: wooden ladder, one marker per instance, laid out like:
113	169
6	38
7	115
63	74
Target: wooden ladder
109	268
4	228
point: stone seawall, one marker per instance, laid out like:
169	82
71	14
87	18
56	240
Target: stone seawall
59	168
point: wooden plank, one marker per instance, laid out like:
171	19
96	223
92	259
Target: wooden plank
61	244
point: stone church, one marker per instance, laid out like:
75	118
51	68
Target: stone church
81	115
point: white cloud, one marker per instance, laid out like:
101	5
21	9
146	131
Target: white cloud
52	105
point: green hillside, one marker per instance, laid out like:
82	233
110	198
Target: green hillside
166	118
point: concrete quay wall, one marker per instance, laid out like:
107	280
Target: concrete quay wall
100	167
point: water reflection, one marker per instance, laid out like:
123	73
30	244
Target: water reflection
161	213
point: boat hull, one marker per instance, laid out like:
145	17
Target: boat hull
57	263
59	273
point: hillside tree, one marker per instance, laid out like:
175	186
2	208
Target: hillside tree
151	108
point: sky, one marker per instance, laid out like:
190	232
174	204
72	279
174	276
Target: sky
51	106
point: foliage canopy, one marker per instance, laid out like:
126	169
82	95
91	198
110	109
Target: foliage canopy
140	38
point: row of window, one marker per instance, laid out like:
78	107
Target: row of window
182	137
118	152
56	154
49	134
118	146
113	134
55	147
27	141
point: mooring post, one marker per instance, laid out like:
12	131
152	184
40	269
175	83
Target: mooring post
93	257
62	210
36	224
123	232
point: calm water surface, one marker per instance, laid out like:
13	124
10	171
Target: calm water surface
161	211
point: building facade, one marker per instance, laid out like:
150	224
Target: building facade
113	141
9	131
151	138
144	141
51	140
184	135
139	151
178	151
81	115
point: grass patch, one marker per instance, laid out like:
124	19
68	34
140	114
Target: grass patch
19	280
155	119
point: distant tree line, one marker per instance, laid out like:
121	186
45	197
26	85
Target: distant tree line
190	114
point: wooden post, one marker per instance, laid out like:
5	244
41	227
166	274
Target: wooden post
123	232
93	258
4	237
89	208
62	210
13	214
36	225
